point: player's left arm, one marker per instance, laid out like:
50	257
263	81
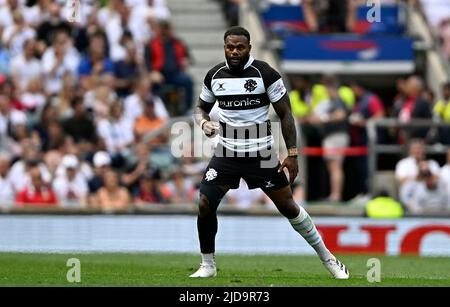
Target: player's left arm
283	110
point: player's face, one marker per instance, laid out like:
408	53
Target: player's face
237	50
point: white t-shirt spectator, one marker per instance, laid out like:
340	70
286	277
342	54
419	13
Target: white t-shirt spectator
432	201
15	117
115	134
408	168
70	193
33	100
25	70
16	40
133	108
84	169
20	179
54	82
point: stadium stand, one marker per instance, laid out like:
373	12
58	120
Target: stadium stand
88	98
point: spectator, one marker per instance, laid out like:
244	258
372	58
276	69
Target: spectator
33	99
136	167
150	122
102	163
148	191
127	69
15	35
9	117
181	190
300	98
58	61
330	116
25	66
368	106
80	127
143	21
414	107
95	65
407	169
430	194
112	196
63	99
135	103
52	24
330	15
117	134
168	56
441	112
37	192
71	187
6	189
30	156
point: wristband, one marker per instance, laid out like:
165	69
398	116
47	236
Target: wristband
293	152
202	122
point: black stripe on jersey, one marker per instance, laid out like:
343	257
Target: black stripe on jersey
226	73
243	102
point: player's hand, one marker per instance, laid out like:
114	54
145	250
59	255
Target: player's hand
211	128
291	164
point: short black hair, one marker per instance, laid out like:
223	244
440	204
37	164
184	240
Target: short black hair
237	30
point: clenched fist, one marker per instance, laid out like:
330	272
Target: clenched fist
211	128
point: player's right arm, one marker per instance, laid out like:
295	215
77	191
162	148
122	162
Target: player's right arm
204	107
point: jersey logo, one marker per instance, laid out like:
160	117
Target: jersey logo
211	174
250	85
221	88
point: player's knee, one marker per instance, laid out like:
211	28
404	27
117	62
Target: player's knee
288	208
210	197
204	207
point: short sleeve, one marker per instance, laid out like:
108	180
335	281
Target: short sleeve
206	94
274	84
276	91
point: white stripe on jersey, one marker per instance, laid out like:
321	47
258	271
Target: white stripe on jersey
240	118
236	86
206	95
246	145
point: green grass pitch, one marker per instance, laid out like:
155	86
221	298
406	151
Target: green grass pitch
24	269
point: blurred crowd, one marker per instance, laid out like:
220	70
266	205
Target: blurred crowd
336	113
81	88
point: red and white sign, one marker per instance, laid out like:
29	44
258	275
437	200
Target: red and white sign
393	237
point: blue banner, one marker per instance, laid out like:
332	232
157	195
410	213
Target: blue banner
348	48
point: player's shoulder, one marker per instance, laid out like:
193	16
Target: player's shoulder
263	67
216	68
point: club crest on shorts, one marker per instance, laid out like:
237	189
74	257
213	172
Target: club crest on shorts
250	85
211	174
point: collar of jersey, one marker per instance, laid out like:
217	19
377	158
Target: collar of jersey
249	62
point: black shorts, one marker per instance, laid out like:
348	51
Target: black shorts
257	172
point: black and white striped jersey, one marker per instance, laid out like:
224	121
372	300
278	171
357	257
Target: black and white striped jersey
243	101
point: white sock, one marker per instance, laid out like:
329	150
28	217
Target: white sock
304	225
209	259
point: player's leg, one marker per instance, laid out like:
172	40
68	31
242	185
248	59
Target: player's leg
210	197
304	225
220	176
